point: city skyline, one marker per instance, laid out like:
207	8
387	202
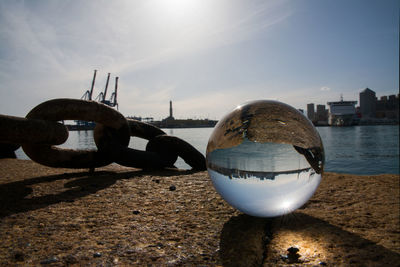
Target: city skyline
369	109
205	56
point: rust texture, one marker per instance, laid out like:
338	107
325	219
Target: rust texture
161	151
73	109
17	130
40	130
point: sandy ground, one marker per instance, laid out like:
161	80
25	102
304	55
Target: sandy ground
122	216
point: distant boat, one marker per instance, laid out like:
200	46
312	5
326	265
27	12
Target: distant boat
342	113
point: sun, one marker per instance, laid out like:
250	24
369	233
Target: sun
179	11
179	7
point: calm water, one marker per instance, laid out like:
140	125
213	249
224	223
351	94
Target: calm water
361	149
356	150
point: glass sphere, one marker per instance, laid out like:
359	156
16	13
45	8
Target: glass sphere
265	158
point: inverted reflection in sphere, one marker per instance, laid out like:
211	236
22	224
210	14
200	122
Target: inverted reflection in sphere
265	158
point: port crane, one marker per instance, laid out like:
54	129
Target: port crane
102	96
113	98
112	101
88	94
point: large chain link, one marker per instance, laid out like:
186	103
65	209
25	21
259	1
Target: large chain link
41	130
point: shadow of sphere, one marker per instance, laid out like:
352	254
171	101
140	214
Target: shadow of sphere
243	240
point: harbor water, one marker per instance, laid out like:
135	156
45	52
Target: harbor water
356	150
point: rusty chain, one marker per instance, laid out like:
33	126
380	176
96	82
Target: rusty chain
40	131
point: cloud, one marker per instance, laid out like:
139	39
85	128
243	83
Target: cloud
211	25
50	48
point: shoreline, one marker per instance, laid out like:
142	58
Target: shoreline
73	127
125	216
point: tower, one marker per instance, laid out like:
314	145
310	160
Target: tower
368	103
170	109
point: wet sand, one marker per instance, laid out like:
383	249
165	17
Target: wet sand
124	216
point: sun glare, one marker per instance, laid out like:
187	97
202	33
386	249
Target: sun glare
184	23
178	9
287	206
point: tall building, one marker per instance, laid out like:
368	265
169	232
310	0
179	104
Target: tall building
368	103
311	112
170	109
322	113
388	107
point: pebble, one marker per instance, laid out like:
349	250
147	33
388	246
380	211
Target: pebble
293	250
293	256
172	188
70	259
49	260
284	257
97	255
158	245
19	256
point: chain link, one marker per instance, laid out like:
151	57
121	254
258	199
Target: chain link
41	130
21	130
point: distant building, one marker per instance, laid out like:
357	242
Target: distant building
368	103
388	107
146	119
311	112
322	114
318	118
171	122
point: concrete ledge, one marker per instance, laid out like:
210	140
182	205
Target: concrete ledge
123	216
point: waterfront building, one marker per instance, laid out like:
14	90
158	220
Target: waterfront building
311	112
388	107
368	103
171	122
373	110
322	114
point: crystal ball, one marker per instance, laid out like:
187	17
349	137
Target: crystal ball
265	158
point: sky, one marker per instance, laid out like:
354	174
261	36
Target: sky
207	56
